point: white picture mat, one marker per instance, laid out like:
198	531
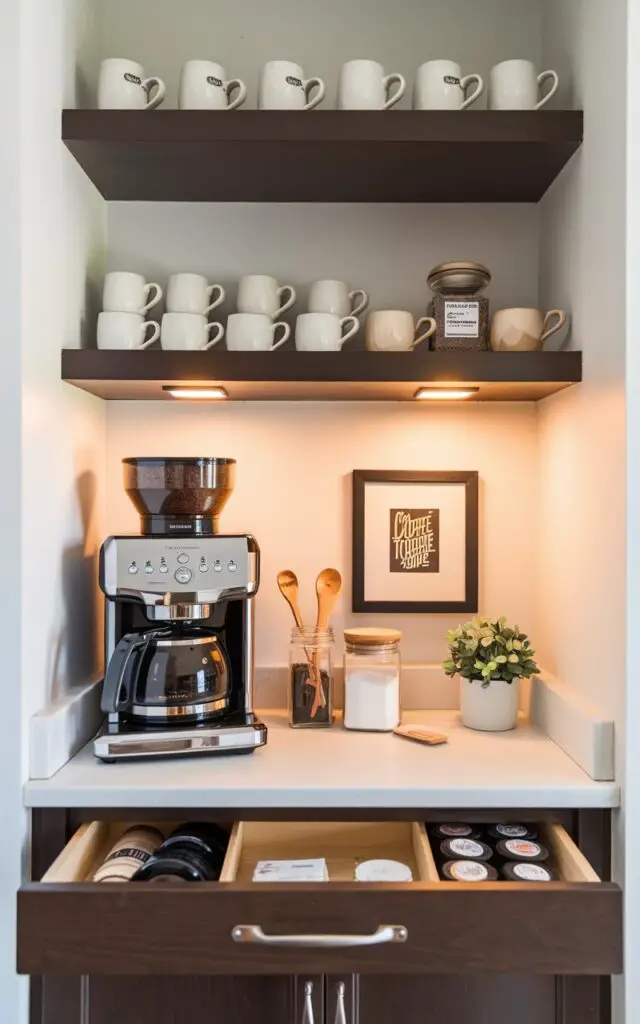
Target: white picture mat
380	584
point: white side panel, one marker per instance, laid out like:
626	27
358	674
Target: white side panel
576	725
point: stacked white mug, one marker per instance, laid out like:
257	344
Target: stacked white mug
125	301
189	301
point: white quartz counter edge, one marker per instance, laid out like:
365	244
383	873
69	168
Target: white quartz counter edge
334	768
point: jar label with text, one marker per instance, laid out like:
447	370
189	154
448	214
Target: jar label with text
461	319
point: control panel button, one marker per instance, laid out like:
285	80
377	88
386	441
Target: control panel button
183	559
204	565
148	568
183	575
217	566
164	568
133	568
232	567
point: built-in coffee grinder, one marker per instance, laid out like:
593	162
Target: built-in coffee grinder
179	618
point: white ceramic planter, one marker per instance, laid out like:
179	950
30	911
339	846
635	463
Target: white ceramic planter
492	709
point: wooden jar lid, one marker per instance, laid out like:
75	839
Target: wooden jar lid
372	636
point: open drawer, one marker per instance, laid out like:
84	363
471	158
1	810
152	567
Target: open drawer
67	925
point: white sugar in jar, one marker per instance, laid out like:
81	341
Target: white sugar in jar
372	679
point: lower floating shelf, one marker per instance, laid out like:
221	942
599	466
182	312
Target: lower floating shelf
319	376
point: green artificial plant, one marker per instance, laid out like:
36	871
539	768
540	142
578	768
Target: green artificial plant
487	650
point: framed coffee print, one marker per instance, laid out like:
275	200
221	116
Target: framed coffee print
415	541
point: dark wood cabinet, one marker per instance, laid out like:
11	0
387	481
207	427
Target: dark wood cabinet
101	999
449	999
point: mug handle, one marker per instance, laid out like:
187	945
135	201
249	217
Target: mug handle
221	296
398	94
154	336
161	92
355	327
289	302
548	331
236	83
218	337
432	329
464	85
362	304
156	298
319	96
285	335
542	78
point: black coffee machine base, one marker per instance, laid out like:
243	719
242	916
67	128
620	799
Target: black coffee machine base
238	734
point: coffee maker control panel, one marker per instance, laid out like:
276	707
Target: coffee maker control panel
209	568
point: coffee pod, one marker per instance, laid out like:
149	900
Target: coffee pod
512	830
455	830
513	872
468	871
522	850
465	849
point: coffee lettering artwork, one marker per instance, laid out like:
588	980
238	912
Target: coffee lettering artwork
414	540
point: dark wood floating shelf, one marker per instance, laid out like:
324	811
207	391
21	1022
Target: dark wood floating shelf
316	376
323	155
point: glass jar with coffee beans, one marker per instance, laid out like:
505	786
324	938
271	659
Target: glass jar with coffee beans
310	697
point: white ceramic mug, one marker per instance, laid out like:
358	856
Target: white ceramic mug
255	332
122	86
515	85
188	332
192	293
322	332
204	86
259	293
440	85
124	292
284	87
394	330
524	330
125	330
364	86
335	297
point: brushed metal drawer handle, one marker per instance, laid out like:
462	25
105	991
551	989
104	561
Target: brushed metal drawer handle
385	933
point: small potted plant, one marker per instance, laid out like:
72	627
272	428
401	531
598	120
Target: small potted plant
490	657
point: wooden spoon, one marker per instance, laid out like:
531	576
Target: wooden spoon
288	587
328	586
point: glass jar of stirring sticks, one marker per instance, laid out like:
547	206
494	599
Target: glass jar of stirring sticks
311	678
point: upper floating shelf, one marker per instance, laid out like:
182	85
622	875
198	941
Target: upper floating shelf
320	376
323	155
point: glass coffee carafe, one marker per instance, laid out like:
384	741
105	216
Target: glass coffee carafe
170	675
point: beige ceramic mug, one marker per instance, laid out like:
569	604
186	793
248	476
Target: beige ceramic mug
394	330
524	330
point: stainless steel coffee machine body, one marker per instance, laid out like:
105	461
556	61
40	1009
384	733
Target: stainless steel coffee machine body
165	597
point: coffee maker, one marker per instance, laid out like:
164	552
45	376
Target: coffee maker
179	618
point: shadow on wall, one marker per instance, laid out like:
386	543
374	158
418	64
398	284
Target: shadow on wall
78	648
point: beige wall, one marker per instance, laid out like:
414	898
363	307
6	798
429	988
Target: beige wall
294	491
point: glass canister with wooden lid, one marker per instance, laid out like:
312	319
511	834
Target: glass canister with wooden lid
372	679
460	311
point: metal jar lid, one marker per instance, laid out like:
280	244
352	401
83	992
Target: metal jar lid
463	277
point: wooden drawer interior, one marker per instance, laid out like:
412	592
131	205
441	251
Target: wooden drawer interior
343	844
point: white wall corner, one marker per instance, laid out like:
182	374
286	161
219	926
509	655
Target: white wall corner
576	725
60	730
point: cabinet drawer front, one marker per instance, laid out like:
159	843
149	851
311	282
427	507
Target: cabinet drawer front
562	928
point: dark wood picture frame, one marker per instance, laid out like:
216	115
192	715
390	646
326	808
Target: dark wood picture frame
471	483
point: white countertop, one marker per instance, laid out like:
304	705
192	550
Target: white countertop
334	768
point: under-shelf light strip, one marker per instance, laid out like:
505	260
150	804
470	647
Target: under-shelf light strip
206	393
445	394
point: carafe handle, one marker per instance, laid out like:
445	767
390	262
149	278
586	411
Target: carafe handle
120	665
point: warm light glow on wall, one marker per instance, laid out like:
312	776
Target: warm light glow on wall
445	394
211	394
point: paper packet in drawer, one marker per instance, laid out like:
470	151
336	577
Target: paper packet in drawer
291	871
